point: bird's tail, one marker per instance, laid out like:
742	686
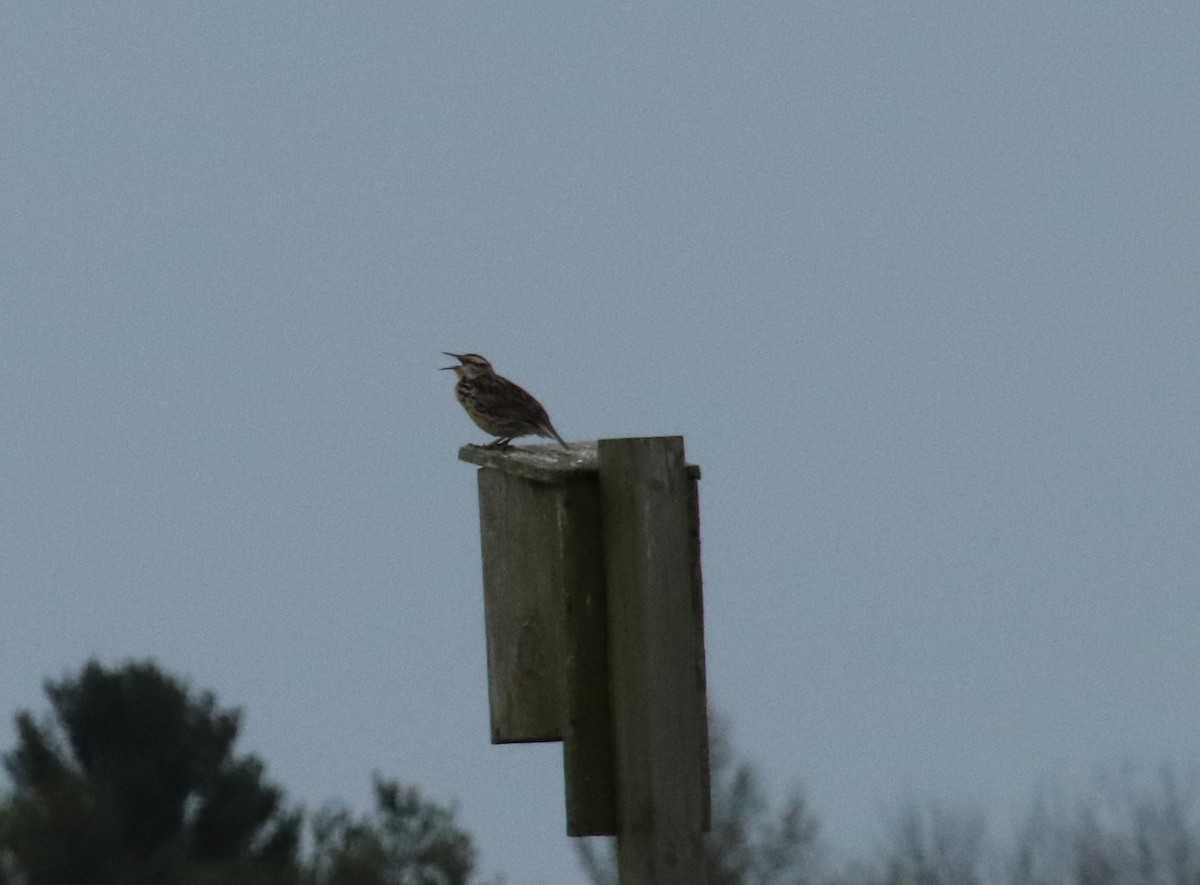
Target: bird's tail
550	431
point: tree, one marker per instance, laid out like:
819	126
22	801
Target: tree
751	842
1131	833
936	847
408	840
132	779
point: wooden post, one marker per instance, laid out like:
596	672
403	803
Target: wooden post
656	677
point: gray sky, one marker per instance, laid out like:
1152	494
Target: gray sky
918	282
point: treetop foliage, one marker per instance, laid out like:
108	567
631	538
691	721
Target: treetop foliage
132	779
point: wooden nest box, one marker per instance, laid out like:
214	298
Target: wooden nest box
595	634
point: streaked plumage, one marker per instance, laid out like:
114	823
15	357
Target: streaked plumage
497	405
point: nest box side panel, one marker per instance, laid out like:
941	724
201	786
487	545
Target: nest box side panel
588	765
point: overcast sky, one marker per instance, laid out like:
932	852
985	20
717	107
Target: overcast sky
918	282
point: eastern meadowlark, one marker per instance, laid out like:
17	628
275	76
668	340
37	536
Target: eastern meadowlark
499	407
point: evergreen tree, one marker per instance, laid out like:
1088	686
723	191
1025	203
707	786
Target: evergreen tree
133	779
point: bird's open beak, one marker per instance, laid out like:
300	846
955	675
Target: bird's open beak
456	356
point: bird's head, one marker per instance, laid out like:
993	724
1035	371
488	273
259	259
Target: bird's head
472	365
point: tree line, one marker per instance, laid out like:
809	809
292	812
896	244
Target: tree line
133	778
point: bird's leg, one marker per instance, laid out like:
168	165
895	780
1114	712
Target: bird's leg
499	443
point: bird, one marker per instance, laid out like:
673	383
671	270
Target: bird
497	405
